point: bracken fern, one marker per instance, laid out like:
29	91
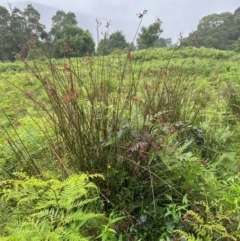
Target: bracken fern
52	209
206	224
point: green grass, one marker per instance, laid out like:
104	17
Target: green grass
161	126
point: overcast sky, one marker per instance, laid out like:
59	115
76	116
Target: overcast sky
178	16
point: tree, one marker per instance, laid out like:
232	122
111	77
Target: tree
69	39
237	46
237	19
18	28
219	31
5	35
149	35
115	41
73	41
32	17
25	25
34	31
61	20
237	14
17	31
163	42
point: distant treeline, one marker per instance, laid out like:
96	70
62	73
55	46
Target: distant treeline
22	34
220	31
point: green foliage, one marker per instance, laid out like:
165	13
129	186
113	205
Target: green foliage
155	123
17	30
203	59
73	41
233	102
5	34
14	67
61	19
163	42
209	223
237	45
115	41
172	217
19	156
149	35
219	31
32	17
69	39
51	209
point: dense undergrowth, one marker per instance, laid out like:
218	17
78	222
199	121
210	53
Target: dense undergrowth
136	146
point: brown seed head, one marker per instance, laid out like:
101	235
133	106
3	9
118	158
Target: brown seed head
140	15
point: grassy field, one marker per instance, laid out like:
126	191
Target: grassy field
137	146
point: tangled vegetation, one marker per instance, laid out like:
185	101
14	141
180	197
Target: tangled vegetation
141	145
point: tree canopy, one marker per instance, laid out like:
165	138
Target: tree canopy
149	35
72	41
115	41
16	29
69	39
5	33
21	30
61	20
219	31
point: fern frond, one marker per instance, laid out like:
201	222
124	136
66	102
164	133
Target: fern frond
189	236
209	227
193	217
74	236
81	217
53	209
